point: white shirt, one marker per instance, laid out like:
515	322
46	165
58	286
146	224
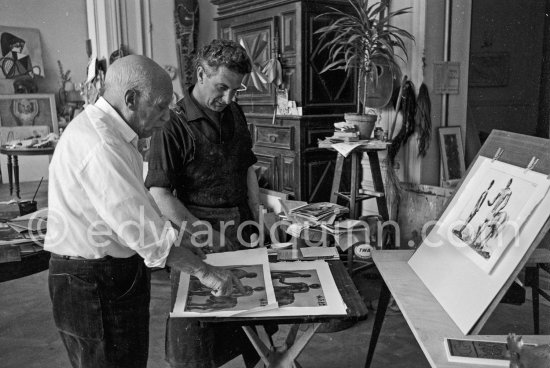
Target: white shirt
98	204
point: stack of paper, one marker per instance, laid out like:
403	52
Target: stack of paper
317	213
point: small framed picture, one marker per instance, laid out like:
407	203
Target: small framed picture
452	153
28	111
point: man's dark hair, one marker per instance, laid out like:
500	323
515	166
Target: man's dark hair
224	53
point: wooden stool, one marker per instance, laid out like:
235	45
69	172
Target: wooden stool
354	196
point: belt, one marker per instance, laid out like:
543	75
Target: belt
77	258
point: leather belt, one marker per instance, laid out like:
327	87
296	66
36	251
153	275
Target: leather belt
77	258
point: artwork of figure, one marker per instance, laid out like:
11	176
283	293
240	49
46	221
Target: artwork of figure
491	226
480	201
196	288
489	229
25	111
240	273
287	287
214	303
14	62
502	198
282	275
200	298
453	159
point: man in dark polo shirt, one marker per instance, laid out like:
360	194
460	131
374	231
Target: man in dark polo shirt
200	168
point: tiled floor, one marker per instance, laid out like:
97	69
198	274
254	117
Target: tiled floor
28	338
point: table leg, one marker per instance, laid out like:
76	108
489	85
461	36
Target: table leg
10	174
383	302
258	344
16	174
282	356
337	178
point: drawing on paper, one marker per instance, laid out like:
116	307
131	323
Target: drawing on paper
478	237
491	210
201	300
300	288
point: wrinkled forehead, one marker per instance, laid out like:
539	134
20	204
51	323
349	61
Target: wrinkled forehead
222	75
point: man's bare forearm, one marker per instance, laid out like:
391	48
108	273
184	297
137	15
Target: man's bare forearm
253	192
184	260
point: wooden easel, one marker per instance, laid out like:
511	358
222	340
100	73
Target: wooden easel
429	322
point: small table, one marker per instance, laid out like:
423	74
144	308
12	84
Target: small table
285	356
13	170
29	264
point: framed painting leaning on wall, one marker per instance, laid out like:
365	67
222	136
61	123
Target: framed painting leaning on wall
27	115
452	153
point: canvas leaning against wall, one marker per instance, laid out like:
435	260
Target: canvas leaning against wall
21	54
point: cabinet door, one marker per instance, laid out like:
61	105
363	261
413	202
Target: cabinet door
288	183
266	170
332	91
257	35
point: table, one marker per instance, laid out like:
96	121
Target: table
428	321
29	264
284	356
13	170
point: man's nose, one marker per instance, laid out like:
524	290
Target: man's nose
228	97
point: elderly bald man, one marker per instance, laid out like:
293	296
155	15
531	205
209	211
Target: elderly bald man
104	230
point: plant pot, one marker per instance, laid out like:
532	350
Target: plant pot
365	123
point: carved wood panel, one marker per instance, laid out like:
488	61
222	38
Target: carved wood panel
266	170
258	36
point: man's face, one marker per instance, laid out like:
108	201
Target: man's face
218	87
152	113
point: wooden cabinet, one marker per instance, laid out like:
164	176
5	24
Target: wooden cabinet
288	158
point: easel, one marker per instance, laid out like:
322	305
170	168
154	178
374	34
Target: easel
428	321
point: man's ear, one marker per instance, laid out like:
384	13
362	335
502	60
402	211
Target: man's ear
131	99
200	74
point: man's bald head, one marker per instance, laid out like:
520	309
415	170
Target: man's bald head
135	72
140	91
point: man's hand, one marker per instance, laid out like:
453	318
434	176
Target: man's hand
221	281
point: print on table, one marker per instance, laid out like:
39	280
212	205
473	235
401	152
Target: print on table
201	300
301	288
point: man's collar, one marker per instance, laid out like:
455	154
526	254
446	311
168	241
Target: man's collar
191	108
119	124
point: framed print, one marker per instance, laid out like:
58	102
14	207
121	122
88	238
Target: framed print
28	111
452	153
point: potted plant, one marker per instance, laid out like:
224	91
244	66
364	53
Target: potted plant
362	40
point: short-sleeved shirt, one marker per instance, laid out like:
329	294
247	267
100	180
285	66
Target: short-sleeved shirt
205	163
